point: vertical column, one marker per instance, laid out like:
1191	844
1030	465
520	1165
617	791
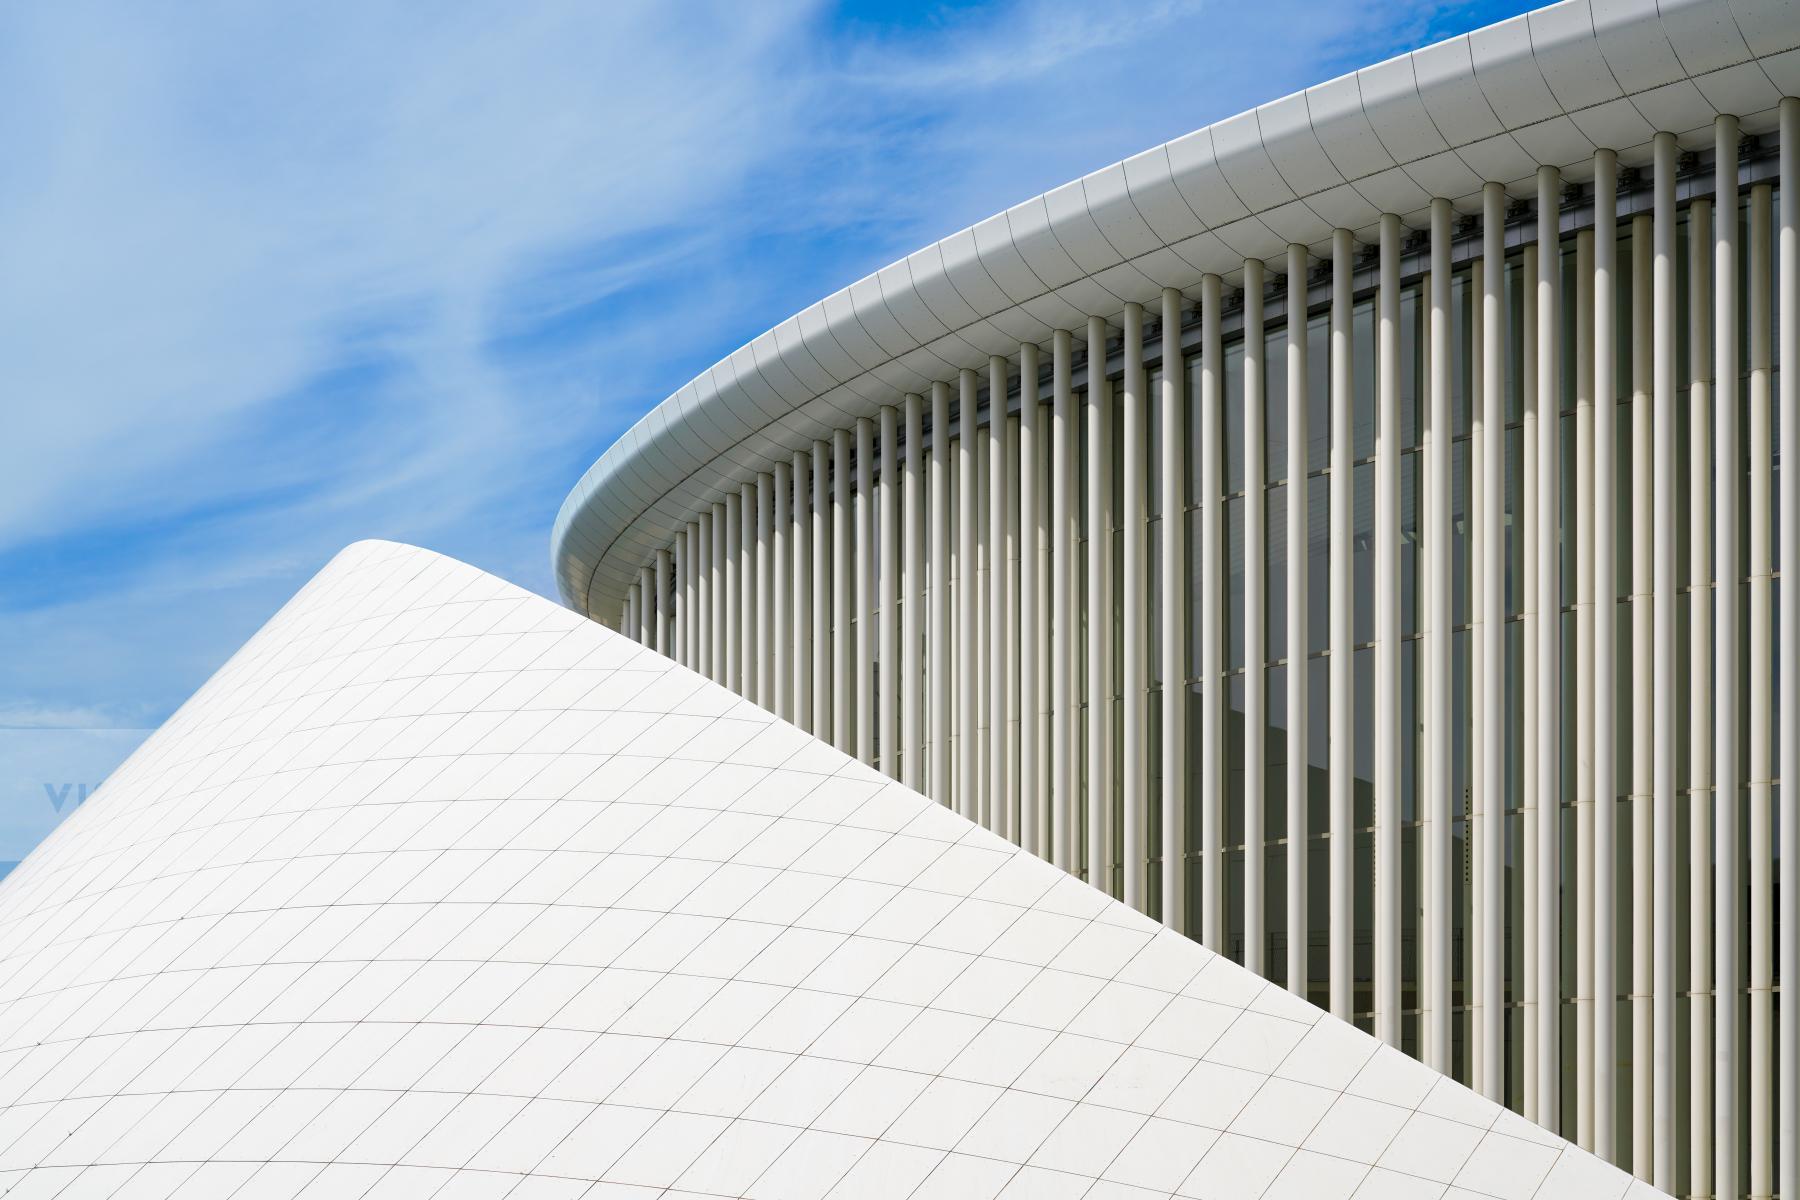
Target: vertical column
1727	570
1700	606
912	666
889	667
659	605
751	599
635	599
644	603
825	569
1582	517
1762	843
1134	645
1000	642
1537	995
866	621
1492	632
1549	647
731	616
684	606
937	716
1099	610
1298	513
1605	675
1001	816
705	580
1212	634
1387	637
1661	413
768	613
1788	626
845	676
1342	675
1480	525
722	610
688	601
1646	1070
798	663
1025	828
1435	701
1062	586
778	654
968	669
1256	615
1174	614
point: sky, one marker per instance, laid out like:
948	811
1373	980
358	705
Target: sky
279	277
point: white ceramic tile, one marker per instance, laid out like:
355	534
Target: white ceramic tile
280	945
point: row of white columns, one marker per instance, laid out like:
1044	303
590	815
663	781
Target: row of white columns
920	605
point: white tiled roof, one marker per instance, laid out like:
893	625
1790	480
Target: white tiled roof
437	889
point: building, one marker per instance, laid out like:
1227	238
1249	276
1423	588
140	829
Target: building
1411	445
438	889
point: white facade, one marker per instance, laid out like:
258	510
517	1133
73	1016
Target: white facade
1432	418
439	890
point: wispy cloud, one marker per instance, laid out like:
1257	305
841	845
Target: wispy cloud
279	277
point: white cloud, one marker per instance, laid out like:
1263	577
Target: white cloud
279	277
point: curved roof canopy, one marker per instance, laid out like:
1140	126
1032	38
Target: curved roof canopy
1549	87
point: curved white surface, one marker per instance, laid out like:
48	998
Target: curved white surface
1549	87
439	890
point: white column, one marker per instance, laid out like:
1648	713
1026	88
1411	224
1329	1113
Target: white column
1387	637
1700	936
1582	518
889	667
1646	1071
1025	828
737	598
968	591
1212	635
824	568
1099	610
1134	644
951	659
779	657
1435	706
1788	704
1342	675
1174	605
1727	569
866	619
1000	640
1491	734
1480	1011
635	599
1298	514
1661	413
1002	815
1256	615
1605	592
1549	647
770	605
1761	1058
845	676
684	588
704	580
798	665
659	605
912	611
1063	723
722	611
1537	999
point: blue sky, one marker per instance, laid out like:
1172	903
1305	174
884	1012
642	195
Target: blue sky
279	277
